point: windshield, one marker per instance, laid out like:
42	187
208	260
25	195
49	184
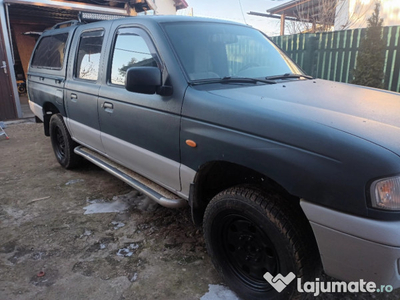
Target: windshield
215	51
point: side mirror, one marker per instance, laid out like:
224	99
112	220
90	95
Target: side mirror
144	80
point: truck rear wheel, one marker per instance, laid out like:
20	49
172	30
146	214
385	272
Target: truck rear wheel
62	143
250	232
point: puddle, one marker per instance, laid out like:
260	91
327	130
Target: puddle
98	206
219	292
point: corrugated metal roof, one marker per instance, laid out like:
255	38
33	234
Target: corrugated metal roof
29	14
290	6
307	10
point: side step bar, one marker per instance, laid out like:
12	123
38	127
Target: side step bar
140	183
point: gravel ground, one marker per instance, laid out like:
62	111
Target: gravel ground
55	243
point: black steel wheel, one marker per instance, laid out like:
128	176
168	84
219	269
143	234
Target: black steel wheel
249	232
248	248
62	143
59	145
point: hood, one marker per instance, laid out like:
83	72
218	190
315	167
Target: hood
367	113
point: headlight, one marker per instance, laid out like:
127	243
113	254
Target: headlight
385	193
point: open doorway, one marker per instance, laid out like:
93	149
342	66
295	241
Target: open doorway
21	23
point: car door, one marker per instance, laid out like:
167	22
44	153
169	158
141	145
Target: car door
140	131
82	85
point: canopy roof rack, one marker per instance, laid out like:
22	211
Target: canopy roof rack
87	17
65	24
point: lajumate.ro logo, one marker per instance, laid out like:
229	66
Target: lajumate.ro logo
280	282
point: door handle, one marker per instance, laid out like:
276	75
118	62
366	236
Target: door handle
74	97
4	66
108	105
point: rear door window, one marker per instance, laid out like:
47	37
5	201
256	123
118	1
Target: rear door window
50	52
88	58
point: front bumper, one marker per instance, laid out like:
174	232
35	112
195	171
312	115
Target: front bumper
354	248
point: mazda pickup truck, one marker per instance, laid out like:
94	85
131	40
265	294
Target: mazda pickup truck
285	172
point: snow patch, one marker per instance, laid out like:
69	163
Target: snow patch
219	292
87	232
128	251
120	203
134	277
98	206
73	181
117	224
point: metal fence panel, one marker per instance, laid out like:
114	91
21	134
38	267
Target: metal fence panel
333	55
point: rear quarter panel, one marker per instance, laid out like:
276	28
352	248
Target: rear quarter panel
45	84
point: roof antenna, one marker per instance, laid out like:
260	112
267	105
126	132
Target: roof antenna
241	10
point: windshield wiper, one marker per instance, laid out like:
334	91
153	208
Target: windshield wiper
246	79
229	79
288	76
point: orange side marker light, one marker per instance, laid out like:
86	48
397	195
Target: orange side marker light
191	143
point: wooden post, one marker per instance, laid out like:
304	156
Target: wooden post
283	24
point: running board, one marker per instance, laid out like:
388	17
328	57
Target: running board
140	183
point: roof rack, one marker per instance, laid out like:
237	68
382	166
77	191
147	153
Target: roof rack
65	24
88	17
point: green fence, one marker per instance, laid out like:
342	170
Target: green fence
333	55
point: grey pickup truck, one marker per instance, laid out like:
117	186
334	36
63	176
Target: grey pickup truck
288	174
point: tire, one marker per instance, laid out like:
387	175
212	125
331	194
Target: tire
21	89
249	232
62	143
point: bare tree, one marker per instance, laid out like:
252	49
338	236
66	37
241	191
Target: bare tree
320	15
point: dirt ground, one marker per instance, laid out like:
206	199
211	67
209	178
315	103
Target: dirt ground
144	252
54	243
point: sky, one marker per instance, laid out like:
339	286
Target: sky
231	10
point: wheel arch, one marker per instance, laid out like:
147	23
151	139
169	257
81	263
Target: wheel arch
49	109
216	176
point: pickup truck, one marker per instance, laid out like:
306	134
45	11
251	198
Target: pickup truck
287	173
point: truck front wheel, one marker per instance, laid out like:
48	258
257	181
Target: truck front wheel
250	232
62	143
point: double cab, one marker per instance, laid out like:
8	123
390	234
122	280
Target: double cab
287	173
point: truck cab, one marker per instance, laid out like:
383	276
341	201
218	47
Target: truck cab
286	173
